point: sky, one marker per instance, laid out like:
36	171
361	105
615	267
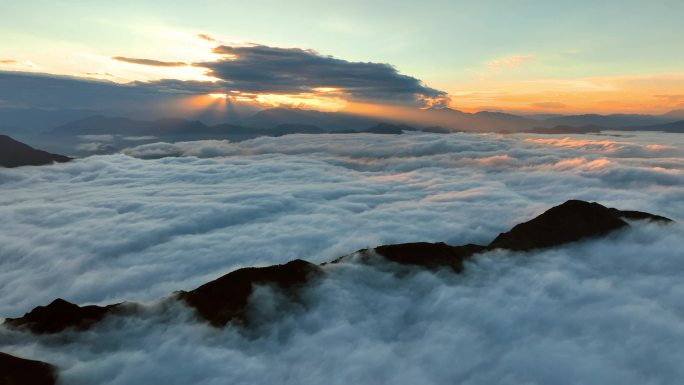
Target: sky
523	56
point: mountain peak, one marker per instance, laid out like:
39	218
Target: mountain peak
568	222
14	154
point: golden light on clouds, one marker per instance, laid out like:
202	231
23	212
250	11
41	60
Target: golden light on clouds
327	90
308	101
218	96
646	93
17	65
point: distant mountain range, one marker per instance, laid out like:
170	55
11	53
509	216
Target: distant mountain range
455	120
612	121
449	120
328	121
35	120
98	134
100	125
283	121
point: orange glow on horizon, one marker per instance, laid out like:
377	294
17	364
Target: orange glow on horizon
638	94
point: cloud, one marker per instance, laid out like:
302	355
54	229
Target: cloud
101	138
607	94
254	72
548	105
139	138
108	228
674	100
206	37
95	147
274	70
618	148
31	90
510	61
149	62
8	61
559	316
671	98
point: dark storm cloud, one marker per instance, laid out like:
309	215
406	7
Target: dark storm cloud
177	87
53	91
150	62
32	90
248	70
263	69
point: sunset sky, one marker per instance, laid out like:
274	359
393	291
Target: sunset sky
523	56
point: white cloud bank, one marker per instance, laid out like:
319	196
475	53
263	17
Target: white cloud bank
109	228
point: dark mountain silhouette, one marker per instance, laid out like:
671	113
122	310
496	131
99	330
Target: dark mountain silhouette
341	121
674	127
287	129
430	255
542	116
60	315
674	115
391	129
14	154
612	121
639	216
283	121
439	130
483	121
23	121
569	222
20	371
100	125
328	121
225	299
180	129
501	121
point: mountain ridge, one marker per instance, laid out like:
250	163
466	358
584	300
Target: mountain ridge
226	300
14	153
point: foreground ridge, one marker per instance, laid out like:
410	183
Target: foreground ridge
212	303
226	299
20	371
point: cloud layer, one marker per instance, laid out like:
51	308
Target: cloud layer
274	70
248	71
149	62
109	228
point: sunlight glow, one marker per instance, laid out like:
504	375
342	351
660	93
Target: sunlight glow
319	102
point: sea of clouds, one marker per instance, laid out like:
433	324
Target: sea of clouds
169	216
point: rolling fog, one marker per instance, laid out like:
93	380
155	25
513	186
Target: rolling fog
169	216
